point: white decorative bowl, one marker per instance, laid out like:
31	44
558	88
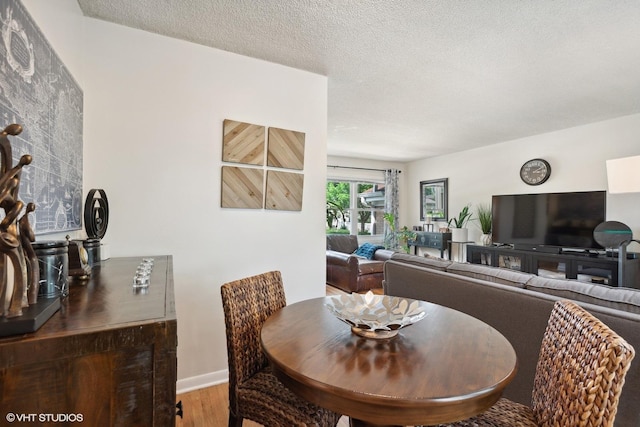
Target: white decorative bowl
375	316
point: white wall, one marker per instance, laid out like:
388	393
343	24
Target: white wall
577	157
153	113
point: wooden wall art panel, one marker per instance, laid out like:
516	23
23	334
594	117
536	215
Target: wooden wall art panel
285	149
284	191
242	187
243	143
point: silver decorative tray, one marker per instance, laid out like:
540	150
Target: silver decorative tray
375	316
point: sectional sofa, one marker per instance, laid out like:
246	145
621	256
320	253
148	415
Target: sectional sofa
518	305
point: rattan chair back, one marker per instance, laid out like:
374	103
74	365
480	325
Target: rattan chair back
580	371
247	303
255	393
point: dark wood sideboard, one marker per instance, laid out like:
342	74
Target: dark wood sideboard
108	355
431	239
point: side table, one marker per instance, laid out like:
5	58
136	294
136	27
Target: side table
458	250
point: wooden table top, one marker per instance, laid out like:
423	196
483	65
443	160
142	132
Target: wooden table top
446	367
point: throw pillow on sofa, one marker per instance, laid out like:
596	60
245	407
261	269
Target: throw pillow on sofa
367	250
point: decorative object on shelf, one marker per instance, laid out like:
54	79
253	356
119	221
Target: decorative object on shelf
434	199
142	277
535	171
96	220
13	235
428	223
94	251
96	213
25	311
27	236
611	234
458	232
375	316
484	218
485	239
78	260
53	260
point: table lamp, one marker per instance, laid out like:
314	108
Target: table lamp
623	176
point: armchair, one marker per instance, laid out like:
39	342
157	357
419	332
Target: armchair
350	272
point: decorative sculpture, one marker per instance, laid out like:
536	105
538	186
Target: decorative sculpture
85	254
31	259
96	213
15	236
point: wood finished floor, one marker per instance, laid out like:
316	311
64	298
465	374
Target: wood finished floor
209	407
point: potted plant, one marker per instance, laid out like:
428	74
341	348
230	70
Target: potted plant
403	236
458	231
484	218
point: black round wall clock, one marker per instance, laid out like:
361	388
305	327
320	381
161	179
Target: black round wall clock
535	171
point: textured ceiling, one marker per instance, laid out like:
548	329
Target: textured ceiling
417	78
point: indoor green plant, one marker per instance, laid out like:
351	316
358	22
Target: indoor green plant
403	236
458	231
484	218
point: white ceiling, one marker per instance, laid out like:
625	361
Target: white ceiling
417	78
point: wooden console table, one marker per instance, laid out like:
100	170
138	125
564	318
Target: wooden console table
431	239
108	356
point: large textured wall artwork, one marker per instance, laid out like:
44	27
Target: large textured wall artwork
262	182
38	92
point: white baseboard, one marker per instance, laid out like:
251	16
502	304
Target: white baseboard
201	381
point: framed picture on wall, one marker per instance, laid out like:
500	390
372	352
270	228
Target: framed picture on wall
433	200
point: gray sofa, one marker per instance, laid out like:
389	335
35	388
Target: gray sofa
518	305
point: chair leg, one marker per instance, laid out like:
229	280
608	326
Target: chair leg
235	421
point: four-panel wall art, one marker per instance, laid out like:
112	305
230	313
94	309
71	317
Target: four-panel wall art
266	159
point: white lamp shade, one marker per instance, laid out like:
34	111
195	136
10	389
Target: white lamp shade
623	175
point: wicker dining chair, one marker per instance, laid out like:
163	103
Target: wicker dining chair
579	376
254	391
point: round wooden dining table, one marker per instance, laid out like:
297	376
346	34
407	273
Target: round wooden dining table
447	367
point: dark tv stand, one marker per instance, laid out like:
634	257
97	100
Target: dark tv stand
582	265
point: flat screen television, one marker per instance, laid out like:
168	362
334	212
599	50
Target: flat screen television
565	220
